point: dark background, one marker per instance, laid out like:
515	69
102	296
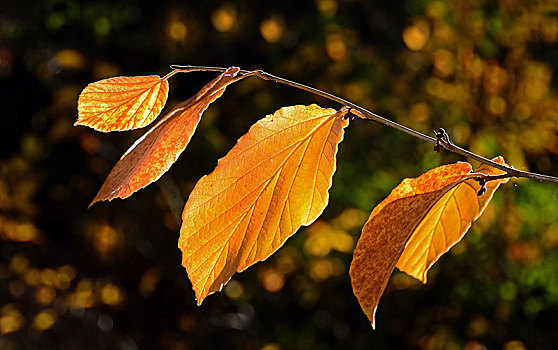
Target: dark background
110	277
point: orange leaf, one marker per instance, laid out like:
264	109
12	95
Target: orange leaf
392	223
154	153
447	222
273	181
122	103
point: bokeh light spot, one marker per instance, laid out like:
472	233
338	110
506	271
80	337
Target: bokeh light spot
417	35
234	289
271	279
224	18
272	29
45	295
11	320
149	281
327	7
112	294
336	47
177	30
44	320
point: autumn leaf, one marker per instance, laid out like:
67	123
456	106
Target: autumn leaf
414	204
447	222
275	179
154	153
122	103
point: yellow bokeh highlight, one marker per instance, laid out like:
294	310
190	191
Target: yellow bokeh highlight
18	231
320	269
45	295
479	326
272	29
549	30
271	279
460	134
48	276
224	18
443	63
327	7
436	9
286	261
525	253
495	79
534	84
420	112
177	30
149	281
11	320
323	238
417	35
349	219
550	236
356	91
514	345
271	346
106	239
445	34
83	296
234	289
112	295
19	263
336	47
44	320
32	277
64	277
70	59
496	105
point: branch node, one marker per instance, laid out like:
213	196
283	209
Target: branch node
438	147
482	182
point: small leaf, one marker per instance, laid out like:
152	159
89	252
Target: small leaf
447	222
122	103
154	153
275	179
392	223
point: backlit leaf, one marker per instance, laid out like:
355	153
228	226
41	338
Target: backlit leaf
392	223
275	179
122	103
447	222
154	153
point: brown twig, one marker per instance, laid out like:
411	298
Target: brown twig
441	140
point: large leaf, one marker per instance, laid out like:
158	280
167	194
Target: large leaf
122	103
275	179
392	223
447	222
154	153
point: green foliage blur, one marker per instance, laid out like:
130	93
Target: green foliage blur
110	277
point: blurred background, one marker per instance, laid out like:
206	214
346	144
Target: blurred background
111	277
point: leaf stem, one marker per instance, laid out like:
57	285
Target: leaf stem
363	113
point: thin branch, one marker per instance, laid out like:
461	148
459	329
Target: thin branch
363	113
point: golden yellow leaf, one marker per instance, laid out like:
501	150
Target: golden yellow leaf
392	223
154	153
447	222
273	181
122	103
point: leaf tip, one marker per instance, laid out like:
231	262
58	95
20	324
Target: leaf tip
373	318
95	200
